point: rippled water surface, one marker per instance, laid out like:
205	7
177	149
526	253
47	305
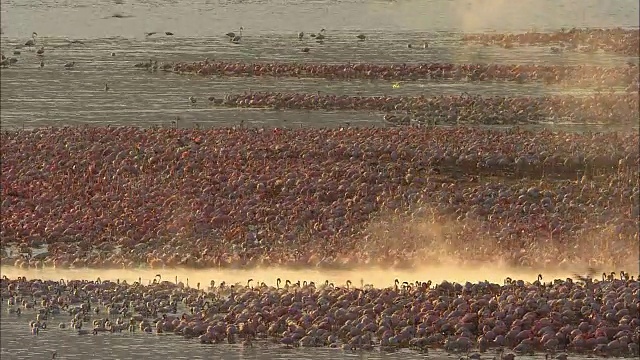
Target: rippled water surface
53	96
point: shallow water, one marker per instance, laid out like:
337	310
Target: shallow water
53	96
17	343
134	346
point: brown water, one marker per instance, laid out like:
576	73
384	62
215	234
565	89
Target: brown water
52	96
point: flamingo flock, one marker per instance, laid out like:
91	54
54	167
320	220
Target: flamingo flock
617	41
585	315
459	109
246	197
569	75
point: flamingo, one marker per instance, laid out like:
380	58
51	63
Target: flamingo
232	35
236	39
31	41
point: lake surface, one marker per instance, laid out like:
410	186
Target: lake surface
52	96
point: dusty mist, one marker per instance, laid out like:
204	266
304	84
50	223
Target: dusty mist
425	249
375	276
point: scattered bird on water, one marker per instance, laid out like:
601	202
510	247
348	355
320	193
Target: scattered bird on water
70	65
168	33
113	54
16	52
41	64
147	64
215	101
54	354
192	99
362	37
556	50
300	35
106	87
425	45
320	35
236	39
31	41
150	33
40	51
232	35
71	42
305	50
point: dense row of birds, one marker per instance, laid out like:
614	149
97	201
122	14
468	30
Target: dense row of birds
239	197
588	316
454	109
574	75
618	40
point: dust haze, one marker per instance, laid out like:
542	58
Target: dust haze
374	276
418	247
